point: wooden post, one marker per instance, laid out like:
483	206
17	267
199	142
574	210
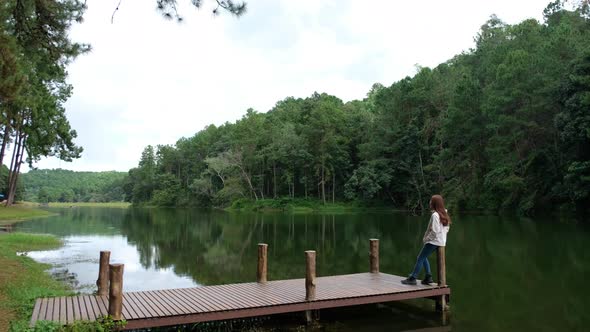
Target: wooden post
374	255
441	303
310	283
103	273
262	254
309	275
116	291
442	273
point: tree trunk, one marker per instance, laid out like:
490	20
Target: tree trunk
419	193
274	179
19	149
422	169
319	191
323	182
333	187
4	142
305	185
15	150
247	177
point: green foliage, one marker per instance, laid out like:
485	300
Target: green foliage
59	185
34	55
103	324
504	126
22	280
14	213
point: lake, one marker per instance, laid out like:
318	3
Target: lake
506	273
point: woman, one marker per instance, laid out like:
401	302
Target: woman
435	236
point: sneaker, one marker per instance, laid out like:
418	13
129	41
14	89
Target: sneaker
427	280
409	281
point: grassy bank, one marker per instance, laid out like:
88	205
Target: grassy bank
15	213
301	205
91	204
22	280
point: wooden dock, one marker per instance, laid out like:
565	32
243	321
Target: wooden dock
221	302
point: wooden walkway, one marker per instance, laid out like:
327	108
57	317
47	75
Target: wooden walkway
209	303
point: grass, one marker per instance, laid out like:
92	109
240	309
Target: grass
15	213
92	204
22	280
296	205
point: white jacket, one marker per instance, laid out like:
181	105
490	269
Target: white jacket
436	233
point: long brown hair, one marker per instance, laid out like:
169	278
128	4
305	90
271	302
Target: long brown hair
438	204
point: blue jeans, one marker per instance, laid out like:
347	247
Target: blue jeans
423	260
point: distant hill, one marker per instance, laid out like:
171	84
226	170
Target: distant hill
60	185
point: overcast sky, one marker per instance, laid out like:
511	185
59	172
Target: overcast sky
152	81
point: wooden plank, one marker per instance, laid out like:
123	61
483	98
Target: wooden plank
200	295
103	304
69	310
234	300
213	295
283	293
128	307
204	299
76	306
124	307
62	310
55	313
154	309
165	300
95	307
256	294
151	310
221	297
138	307
91	314
43	310
36	311
193	300
204	296
270	310
192	305
160	303
287	291
180	302
241	295
77	309
49	310
83	310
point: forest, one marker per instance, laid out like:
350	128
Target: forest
504	126
60	185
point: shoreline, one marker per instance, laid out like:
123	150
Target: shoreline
22	279
21	212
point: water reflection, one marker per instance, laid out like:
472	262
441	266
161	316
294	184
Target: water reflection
505	273
77	263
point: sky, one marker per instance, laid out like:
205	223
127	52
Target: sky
150	81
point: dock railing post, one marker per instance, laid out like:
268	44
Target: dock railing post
262	258
441	303
374	255
310	283
309	275
116	291
103	273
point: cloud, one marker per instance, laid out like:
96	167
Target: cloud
152	81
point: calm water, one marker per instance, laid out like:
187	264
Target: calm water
506	274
